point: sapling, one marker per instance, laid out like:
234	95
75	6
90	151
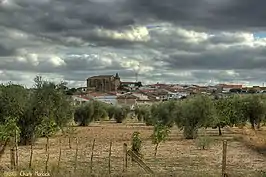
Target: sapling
160	134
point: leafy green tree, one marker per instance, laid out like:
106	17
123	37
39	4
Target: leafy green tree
9	133
255	109
164	113
143	113
121	114
83	115
35	109
13	101
100	110
111	111
47	107
193	114
224	112
160	133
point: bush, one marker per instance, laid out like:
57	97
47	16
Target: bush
143	113
203	142
83	115
111	111
120	114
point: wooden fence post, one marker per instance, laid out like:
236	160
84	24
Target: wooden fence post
125	157
92	149
76	156
110	153
47	144
48	155
69	142
12	158
224	158
31	154
60	153
16	149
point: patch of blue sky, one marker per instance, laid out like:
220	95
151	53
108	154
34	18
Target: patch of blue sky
260	35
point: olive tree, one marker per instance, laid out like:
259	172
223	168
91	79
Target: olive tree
143	113
194	113
230	111
36	108
83	115
47	108
255	109
111	111
121	113
164	113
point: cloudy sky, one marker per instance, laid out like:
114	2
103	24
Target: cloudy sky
167	41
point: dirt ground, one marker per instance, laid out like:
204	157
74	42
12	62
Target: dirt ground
176	156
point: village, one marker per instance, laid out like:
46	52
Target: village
110	89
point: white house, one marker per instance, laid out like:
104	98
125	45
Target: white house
110	99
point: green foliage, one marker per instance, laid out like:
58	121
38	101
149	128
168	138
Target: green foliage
39	111
9	130
89	112
203	142
111	111
160	133
143	113
83	115
47	127
121	114
164	113
136	143
196	112
226	113
255	109
100	110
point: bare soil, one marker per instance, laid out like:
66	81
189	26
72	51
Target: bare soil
175	157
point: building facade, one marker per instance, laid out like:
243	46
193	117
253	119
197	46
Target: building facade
104	83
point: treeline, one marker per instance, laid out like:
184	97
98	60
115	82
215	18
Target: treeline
96	111
189	114
204	111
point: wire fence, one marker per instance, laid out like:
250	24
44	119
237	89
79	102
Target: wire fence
86	156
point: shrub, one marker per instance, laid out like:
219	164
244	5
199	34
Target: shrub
120	114
136	143
111	111
203	142
143	113
83	115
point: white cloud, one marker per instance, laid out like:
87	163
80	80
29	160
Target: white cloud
56	61
140	34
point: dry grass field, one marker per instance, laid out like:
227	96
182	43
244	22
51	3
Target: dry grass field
176	157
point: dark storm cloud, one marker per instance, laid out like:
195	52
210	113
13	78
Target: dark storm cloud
74	24
231	58
5	51
210	14
55	19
